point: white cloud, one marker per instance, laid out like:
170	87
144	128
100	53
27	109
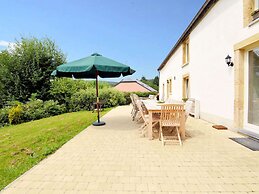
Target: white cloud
5	43
9	45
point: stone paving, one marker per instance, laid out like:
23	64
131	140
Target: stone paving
114	159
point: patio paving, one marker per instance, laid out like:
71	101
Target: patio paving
114	159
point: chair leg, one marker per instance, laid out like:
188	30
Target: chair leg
143	130
154	124
161	135
155	130
135	114
140	118
179	137
132	110
142	126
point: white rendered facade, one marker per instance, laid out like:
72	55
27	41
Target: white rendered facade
210	80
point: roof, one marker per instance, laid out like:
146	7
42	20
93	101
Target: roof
198	17
125	80
128	79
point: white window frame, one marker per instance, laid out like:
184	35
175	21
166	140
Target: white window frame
187	50
256	4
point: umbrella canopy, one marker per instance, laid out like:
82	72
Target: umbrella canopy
87	68
92	67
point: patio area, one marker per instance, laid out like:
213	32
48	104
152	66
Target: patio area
114	159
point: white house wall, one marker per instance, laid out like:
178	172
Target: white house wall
173	69
211	80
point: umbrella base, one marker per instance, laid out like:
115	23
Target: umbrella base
98	123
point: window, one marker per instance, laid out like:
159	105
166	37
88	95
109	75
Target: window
186	52
169	87
250	11
186	86
163	92
255	14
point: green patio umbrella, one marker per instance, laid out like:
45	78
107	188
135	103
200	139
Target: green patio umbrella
92	67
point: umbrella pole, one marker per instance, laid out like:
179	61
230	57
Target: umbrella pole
97	98
98	122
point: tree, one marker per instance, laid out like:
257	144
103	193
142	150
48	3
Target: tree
143	78
5	59
156	81
26	69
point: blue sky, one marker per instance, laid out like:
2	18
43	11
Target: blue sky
139	33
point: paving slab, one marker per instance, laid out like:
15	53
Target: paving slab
115	159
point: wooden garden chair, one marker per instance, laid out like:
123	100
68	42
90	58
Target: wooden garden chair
144	116
137	115
135	110
134	107
170	118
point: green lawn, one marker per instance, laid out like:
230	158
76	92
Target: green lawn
22	146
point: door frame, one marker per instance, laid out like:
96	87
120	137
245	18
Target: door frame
240	49
246	91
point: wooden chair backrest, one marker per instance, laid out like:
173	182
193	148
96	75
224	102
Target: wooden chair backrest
132	100
141	110
135	97
171	113
134	103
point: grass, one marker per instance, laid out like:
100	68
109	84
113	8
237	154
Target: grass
22	146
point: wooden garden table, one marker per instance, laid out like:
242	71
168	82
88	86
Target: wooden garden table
153	107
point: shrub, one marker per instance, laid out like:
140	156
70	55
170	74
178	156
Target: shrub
112	97
62	89
184	99
145	94
4	116
52	108
82	100
33	110
140	94
37	109
127	97
15	114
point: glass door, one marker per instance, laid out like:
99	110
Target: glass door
253	89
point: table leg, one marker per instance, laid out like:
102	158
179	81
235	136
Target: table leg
150	131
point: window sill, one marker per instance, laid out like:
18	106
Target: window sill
255	14
253	22
185	64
